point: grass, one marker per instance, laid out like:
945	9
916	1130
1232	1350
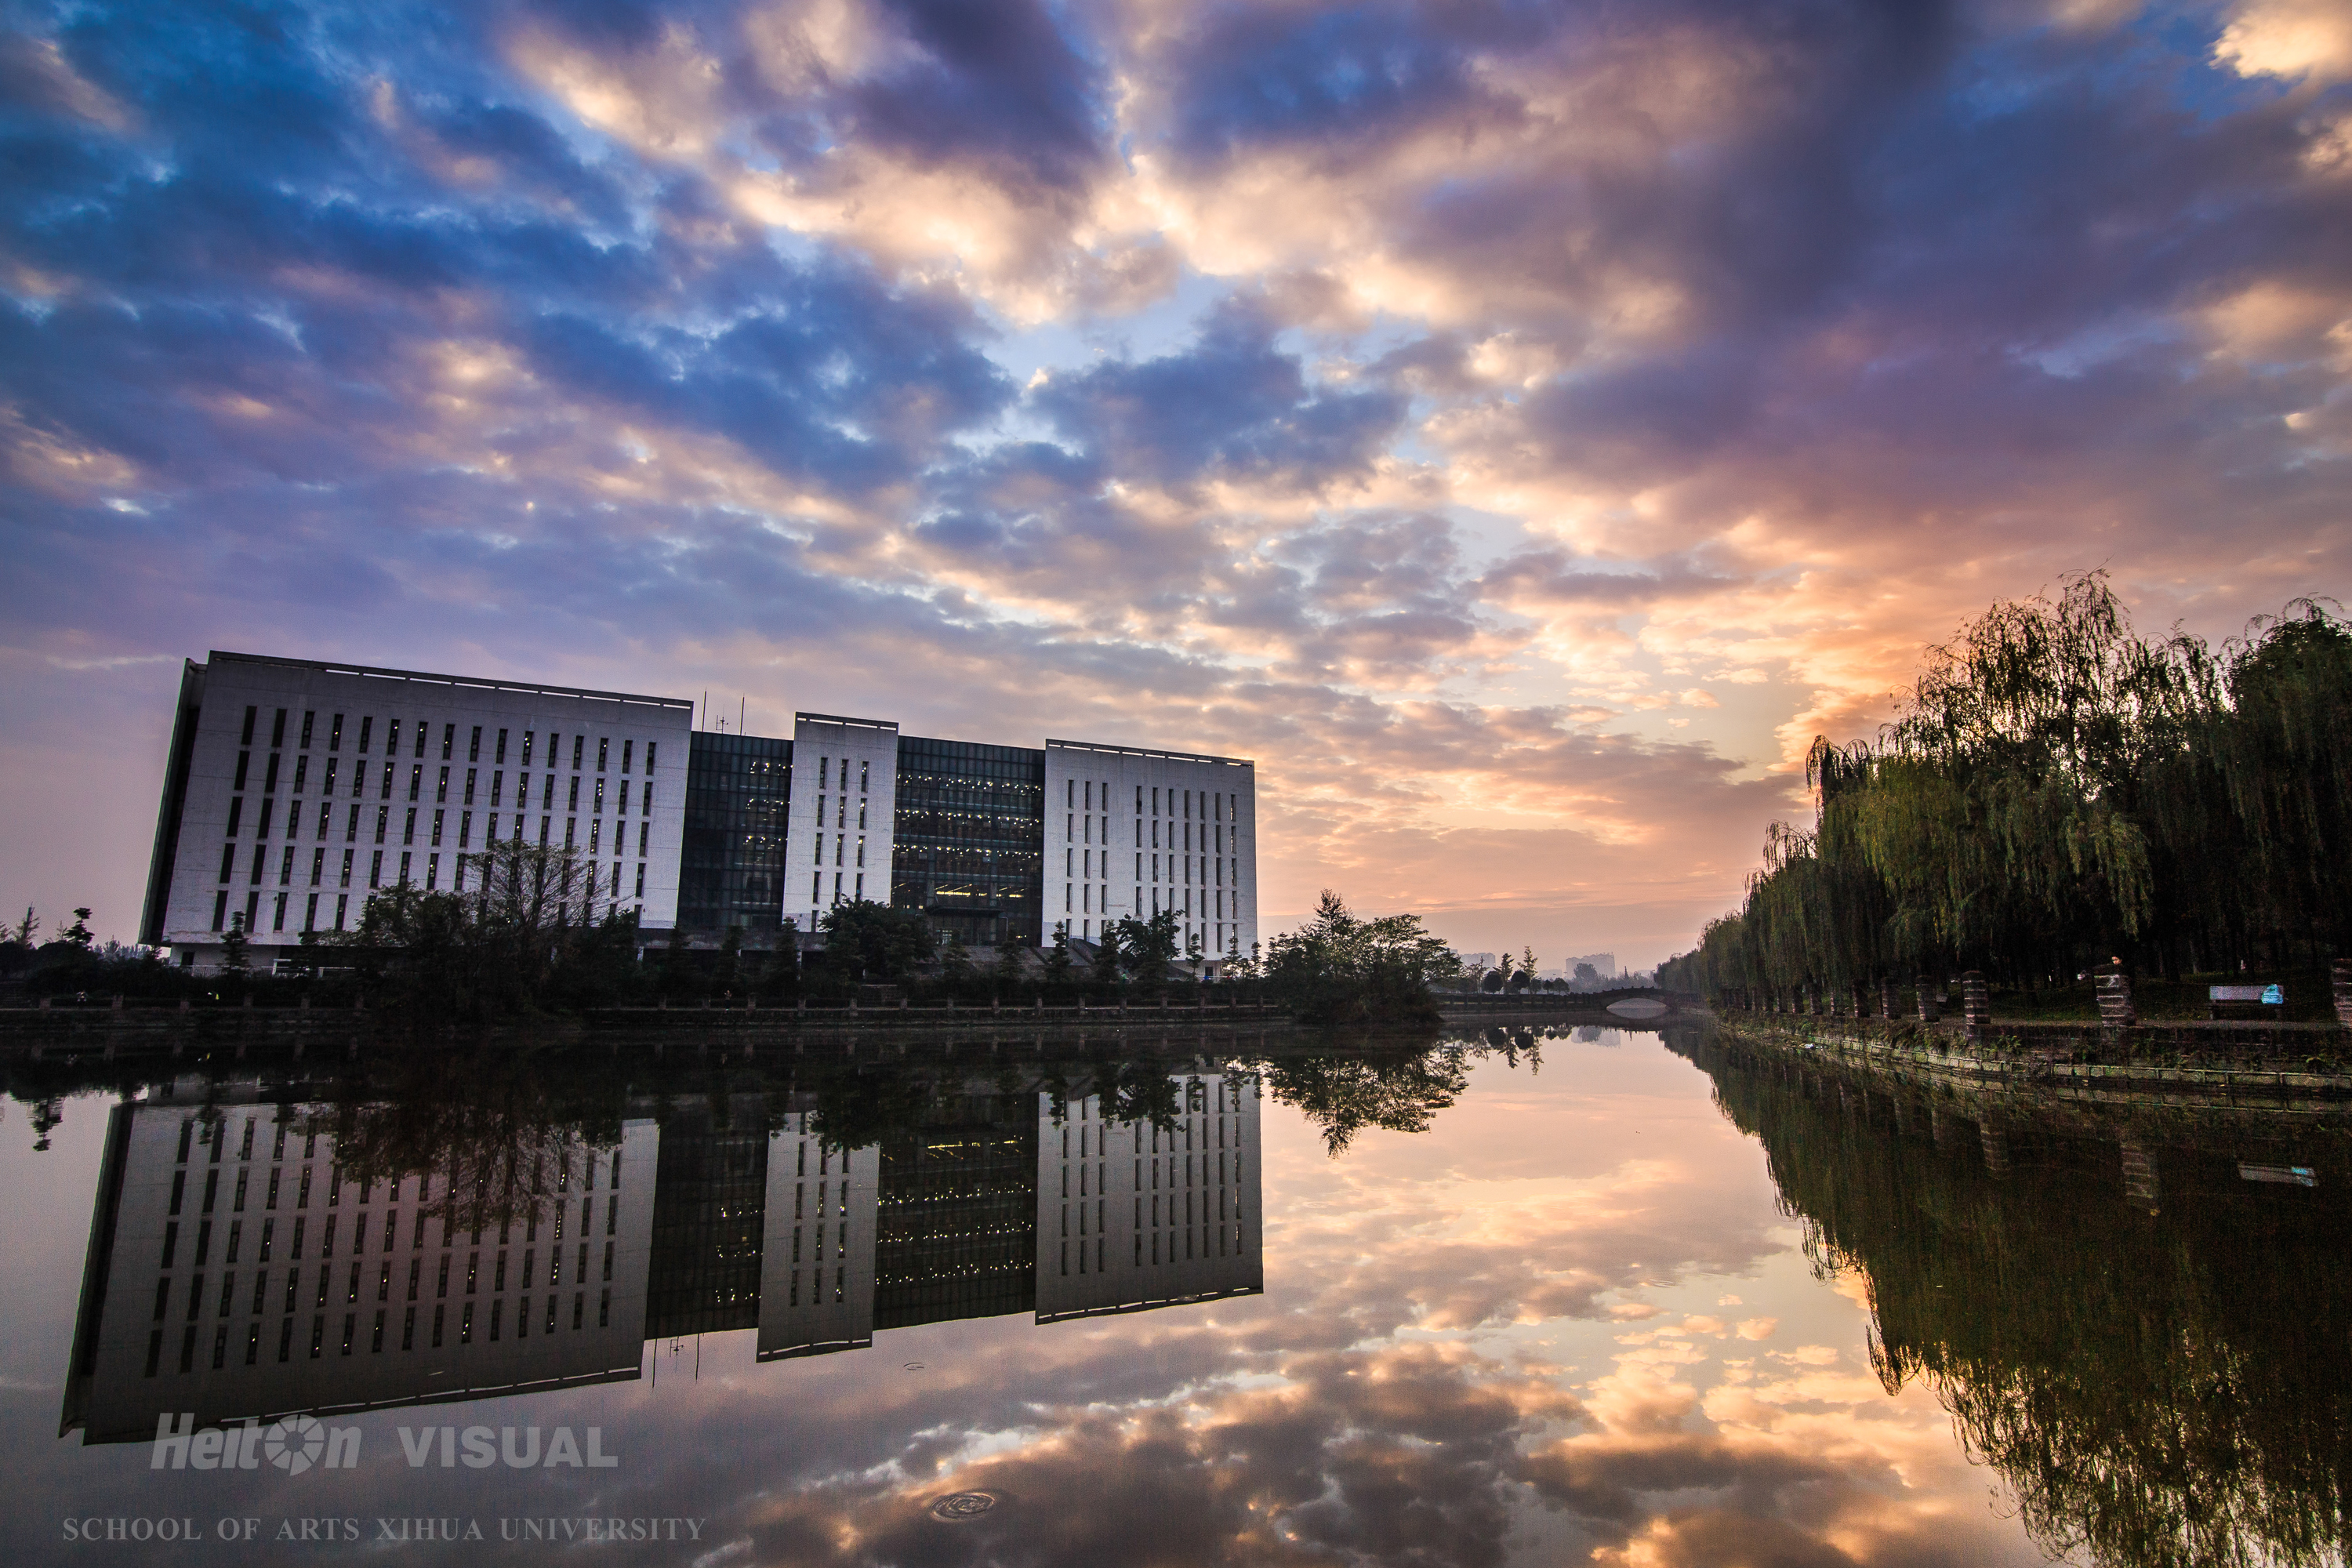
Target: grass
2308	998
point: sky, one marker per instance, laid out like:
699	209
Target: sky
1520	427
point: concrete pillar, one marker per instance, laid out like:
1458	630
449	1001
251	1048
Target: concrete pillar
1890	1001
1931	1000
2114	987
2343	992
2139	1174
1976	1005
1994	1141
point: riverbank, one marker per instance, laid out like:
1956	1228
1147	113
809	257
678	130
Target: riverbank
2284	1067
106	1020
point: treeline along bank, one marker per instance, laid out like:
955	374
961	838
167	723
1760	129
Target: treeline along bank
2060	792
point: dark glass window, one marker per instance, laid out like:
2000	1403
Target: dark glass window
970	839
956	1214
733	868
710	1208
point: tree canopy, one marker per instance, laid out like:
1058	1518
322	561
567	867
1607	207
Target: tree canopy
2056	790
1338	969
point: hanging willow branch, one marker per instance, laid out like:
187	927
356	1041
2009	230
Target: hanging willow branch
2057	789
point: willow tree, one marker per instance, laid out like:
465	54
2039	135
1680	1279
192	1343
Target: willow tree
2057	789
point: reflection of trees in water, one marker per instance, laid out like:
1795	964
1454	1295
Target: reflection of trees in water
503	1135
1397	1085
2167	1389
495	1113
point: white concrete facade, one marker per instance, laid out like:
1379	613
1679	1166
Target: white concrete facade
1130	831
295	788
1132	1215
235	1271
843	807
816	1257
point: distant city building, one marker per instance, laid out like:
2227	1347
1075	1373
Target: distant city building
295	788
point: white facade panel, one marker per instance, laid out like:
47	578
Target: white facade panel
309	784
1130	832
844	806
816	1260
1131	1214
244	1276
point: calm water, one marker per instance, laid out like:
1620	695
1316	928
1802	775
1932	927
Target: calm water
1604	1297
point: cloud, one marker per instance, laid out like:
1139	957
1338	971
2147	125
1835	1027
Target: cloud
1441	404
1228	403
2296	38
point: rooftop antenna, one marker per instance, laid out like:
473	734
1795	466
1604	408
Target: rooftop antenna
741	703
706	706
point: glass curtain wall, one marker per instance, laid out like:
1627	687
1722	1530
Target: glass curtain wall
956	1232
738	789
970	840
710	1202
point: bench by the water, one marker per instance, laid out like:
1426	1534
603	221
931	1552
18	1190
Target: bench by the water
2242	1000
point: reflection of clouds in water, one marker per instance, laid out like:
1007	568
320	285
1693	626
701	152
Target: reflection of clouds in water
1507	1339
1386	1399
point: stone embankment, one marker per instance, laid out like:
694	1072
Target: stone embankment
2282	1066
2117	1054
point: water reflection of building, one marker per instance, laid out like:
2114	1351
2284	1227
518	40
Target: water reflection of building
710	1208
1003	1205
241	1267
237	1269
1133	1214
956	1231
816	1273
